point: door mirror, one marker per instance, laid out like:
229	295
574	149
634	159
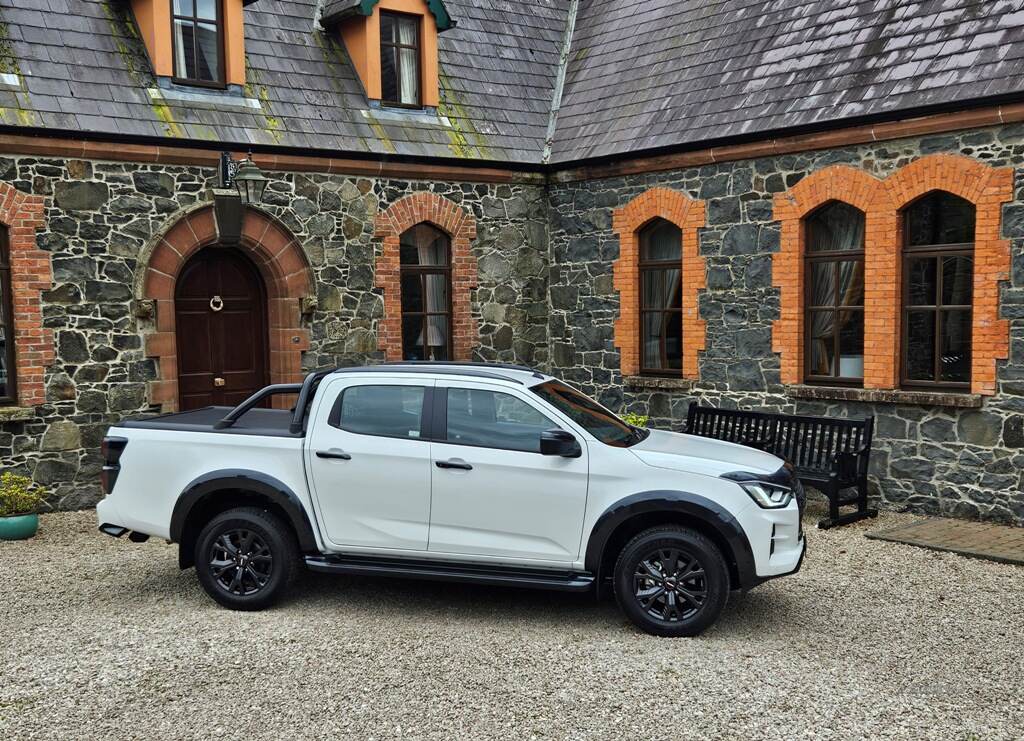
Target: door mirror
559	442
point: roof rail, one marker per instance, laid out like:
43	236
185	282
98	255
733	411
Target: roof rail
470	364
428	368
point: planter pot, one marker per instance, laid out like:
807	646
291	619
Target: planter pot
18	527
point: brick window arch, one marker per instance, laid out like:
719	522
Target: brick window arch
286	274
629	223
30	274
460	227
884	203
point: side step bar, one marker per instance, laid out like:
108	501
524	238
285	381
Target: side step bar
563	581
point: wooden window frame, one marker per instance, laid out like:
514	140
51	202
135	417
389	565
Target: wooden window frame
936	253
10	396
835	257
422	271
418	48
650	266
218	84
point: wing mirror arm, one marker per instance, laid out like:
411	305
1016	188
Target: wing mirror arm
560	443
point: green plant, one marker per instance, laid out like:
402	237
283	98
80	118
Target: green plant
637	420
18	495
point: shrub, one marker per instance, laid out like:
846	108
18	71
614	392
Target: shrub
637	420
18	495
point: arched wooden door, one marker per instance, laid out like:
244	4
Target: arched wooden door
221	327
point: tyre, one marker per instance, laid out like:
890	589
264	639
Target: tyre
671	581
246	558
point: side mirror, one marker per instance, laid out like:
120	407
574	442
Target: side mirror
559	442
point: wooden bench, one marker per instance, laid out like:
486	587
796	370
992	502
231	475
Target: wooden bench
829	454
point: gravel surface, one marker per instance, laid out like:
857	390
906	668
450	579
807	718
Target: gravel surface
104	638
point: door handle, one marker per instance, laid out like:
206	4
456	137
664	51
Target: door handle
340	455
454	463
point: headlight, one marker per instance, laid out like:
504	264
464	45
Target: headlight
768	496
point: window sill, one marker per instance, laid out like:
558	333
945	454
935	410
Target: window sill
16	414
885	396
655	382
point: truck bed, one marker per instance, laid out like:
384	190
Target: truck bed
266	422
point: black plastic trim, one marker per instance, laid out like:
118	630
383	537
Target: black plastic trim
267	391
563	581
246	481
692	505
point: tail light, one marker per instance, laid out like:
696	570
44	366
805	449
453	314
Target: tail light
111	449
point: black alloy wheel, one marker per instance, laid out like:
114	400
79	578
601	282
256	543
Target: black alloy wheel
241	562
670	584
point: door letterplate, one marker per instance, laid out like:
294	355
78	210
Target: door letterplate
218	382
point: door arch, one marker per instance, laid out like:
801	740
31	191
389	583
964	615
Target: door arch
220	309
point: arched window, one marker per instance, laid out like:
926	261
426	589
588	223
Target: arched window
425	258
8	391
938	282
834	300
661	308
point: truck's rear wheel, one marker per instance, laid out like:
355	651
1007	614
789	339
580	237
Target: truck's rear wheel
671	581
245	558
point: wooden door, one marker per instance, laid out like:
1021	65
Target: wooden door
221	328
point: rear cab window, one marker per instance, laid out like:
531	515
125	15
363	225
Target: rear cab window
382	410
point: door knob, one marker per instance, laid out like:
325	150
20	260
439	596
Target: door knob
218	382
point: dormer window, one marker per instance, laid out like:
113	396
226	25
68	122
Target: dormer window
400	59
198	43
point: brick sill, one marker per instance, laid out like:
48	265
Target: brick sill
886	396
655	382
16	414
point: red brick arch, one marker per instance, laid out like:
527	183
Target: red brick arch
31	274
627	221
460	226
285	271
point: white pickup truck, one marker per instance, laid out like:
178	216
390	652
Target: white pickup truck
484	473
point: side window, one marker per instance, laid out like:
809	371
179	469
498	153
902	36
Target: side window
388	411
492	419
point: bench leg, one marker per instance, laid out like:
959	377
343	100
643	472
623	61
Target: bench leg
835	519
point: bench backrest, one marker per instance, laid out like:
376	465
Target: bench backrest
810	443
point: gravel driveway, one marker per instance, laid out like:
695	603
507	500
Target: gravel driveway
104	638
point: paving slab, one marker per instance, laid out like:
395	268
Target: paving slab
973	539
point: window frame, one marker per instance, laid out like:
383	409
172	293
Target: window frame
440	418
649	266
418	48
935	253
835	257
10	396
422	271
334	418
219	84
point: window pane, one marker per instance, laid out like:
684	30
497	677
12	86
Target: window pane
389	73
940	218
184	7
922	281
206	9
437	338
823	283
662	289
851	283
407	28
412	338
661	241
424	245
851	344
837	226
208	60
956	346
388	28
394	411
184	49
4	339
957	280
920	348
663	340
410	78
821	344
412	292
437	292
494	420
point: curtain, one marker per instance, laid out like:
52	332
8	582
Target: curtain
184	61
410	82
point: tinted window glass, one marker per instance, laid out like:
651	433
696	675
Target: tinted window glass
393	411
494	420
589	415
940	218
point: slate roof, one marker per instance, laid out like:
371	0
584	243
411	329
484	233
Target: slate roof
641	74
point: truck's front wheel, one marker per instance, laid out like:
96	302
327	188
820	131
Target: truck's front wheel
245	558
671	581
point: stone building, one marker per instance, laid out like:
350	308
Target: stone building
808	207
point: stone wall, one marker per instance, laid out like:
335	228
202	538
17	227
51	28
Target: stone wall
929	458
99	219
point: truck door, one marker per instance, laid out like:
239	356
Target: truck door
369	462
